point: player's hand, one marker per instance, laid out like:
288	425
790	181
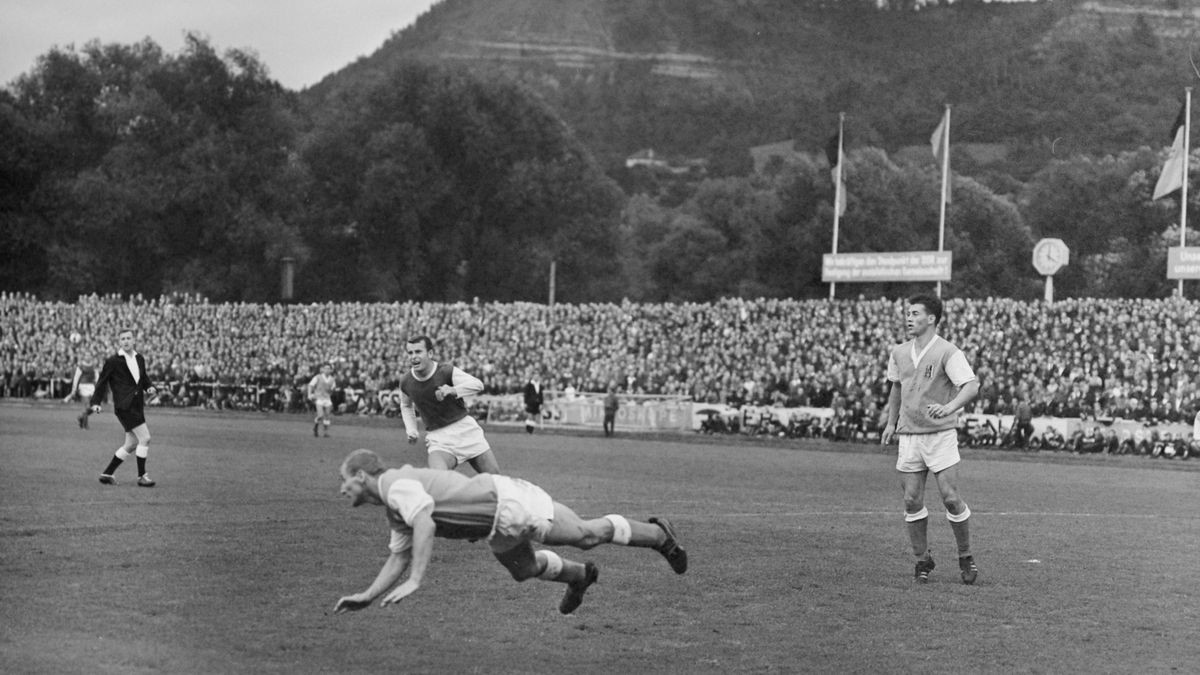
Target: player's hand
351	603
95	409
936	411
443	391
399	593
412	439
888	435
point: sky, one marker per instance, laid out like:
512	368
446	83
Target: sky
299	41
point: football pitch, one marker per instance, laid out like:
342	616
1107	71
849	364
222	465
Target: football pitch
798	558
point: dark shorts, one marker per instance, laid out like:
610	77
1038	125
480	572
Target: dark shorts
131	419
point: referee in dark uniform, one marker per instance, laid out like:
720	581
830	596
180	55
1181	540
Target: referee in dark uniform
125	374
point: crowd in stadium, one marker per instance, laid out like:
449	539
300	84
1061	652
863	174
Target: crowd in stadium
1119	358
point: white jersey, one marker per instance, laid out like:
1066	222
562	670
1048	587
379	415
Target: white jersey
320	388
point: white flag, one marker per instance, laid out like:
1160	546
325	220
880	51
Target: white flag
1171	178
939	139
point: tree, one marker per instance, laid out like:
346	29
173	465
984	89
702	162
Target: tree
466	189
1101	208
159	173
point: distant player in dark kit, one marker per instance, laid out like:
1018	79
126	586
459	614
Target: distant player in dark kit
124	373
436	391
83	385
931	382
509	513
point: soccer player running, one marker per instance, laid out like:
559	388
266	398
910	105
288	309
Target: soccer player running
931	382
83	385
320	392
436	391
511	514
125	374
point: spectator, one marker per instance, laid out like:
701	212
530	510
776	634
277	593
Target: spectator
1116	358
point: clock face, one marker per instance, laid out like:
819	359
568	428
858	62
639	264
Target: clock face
1049	256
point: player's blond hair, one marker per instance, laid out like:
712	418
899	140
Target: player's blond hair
362	460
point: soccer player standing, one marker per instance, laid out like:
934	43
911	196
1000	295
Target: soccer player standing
436	391
931	382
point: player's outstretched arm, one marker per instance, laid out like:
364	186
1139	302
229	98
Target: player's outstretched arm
423	529
388	575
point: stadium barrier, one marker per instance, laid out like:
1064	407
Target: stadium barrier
1068	427
636	412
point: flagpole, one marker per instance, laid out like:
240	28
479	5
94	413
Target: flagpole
1183	190
945	186
837	197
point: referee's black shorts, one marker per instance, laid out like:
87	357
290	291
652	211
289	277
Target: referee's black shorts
132	418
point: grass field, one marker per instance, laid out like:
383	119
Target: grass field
799	562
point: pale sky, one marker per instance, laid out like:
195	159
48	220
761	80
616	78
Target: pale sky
299	41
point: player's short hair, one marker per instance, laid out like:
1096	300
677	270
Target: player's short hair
421	338
362	460
931	303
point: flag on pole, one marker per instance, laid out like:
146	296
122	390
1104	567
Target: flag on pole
833	152
940	141
1171	178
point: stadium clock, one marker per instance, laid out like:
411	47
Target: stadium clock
1049	256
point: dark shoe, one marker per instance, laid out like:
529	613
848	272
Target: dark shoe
924	567
83	419
968	569
107	479
315	430
575	590
144	481
670	548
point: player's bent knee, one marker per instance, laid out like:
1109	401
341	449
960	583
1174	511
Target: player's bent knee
521	562
520	570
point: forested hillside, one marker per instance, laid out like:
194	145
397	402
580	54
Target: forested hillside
714	77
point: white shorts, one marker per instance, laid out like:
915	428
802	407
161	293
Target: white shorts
934	452
462	439
320	402
86	389
524	513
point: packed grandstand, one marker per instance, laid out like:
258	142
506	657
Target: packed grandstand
1130	359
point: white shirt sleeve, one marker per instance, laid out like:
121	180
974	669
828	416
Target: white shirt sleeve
958	370
408	414
405	498
464	384
893	368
